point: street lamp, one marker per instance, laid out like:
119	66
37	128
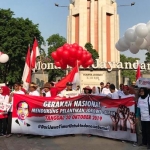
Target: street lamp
132	4
57	5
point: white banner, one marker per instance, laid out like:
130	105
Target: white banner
143	82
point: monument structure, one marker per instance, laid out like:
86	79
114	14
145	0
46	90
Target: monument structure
96	22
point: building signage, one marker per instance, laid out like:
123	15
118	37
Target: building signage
109	66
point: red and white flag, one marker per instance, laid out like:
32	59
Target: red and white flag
72	77
35	52
26	77
138	73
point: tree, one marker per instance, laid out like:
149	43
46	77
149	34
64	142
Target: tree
89	48
15	35
131	74
147	59
55	41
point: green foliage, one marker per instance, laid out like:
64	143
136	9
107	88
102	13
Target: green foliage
55	41
131	74
89	48
15	35
147	59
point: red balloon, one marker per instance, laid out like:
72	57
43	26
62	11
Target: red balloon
89	56
72	52
79	54
83	58
84	52
59	51
66	46
57	64
65	55
89	62
80	48
78	63
55	56
75	45
85	65
72	62
63	64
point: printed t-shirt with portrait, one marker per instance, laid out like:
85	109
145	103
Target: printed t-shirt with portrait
15	92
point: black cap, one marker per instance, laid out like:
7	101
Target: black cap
69	84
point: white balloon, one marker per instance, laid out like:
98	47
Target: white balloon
130	35
148	25
141	31
133	48
139	41
148	49
144	45
122	42
4	58
147	38
119	48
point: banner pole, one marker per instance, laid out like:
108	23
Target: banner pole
79	75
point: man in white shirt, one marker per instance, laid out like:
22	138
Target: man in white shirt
106	90
47	90
114	93
33	89
69	92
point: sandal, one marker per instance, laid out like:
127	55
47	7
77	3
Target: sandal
8	135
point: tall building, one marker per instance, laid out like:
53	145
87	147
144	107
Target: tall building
97	22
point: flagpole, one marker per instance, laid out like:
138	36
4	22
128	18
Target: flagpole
41	63
79	75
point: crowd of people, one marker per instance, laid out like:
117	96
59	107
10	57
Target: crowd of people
141	96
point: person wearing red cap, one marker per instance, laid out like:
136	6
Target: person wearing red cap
87	90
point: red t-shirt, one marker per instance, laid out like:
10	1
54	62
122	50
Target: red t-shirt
54	91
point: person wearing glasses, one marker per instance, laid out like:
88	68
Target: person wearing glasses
16	91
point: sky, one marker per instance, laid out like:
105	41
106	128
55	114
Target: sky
53	20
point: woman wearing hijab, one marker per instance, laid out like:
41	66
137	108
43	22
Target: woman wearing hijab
143	110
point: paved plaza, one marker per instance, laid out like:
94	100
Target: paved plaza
79	142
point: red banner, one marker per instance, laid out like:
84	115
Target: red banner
85	114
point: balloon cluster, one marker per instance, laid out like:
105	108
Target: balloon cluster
71	54
135	38
3	57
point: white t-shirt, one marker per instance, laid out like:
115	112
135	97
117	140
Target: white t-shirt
48	94
114	95
120	93
34	93
143	105
68	94
126	96
105	91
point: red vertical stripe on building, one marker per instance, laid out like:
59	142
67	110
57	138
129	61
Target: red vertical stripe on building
77	29
108	37
88	21
96	25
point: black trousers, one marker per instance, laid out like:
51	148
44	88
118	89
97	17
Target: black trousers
9	122
146	132
3	125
